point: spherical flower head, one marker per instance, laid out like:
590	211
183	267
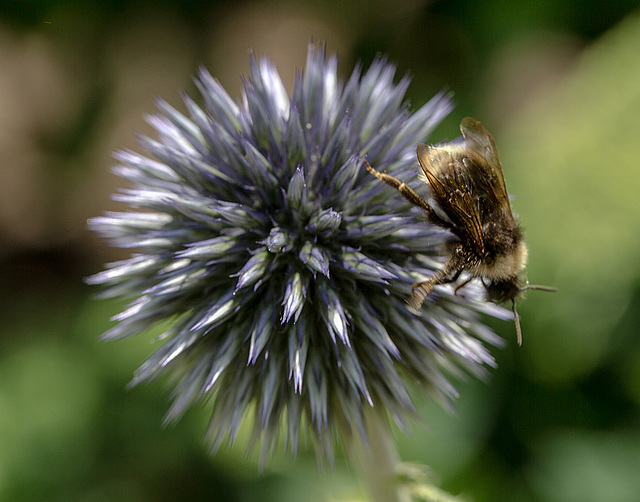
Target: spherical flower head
280	264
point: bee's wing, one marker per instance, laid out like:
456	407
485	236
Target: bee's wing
451	186
478	139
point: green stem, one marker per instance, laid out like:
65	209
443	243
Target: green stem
377	459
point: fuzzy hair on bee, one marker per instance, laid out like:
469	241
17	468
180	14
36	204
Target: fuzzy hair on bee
471	201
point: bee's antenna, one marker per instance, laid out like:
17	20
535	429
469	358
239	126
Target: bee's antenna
550	289
516	319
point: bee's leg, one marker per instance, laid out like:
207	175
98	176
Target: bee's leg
459	286
452	269
420	290
454	278
410	195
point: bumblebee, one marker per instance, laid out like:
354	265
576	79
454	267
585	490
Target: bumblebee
468	188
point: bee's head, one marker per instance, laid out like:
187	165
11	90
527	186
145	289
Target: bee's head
502	291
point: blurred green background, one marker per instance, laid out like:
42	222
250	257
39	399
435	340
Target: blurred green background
557	83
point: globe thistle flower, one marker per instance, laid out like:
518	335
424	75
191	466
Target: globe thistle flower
280	264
